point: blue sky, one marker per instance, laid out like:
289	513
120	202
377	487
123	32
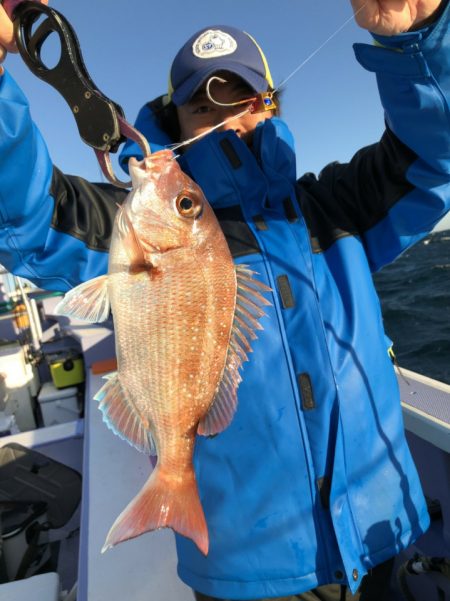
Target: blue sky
331	104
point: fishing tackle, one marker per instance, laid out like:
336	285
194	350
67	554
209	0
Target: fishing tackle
263	102
257	104
260	102
101	122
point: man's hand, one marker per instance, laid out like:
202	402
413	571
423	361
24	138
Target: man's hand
391	17
7	43
6	35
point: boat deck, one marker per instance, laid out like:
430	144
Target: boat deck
426	407
426	413
113	472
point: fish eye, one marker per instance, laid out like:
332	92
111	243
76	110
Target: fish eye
187	206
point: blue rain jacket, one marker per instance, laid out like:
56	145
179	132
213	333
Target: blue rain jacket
313	481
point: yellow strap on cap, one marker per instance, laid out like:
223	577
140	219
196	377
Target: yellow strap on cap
267	73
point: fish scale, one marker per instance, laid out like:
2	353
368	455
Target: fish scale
160	351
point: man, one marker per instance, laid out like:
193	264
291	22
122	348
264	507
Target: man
312	483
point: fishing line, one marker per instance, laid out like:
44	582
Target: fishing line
317	50
283	83
195	138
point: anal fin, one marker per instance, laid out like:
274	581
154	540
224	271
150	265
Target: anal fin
122	417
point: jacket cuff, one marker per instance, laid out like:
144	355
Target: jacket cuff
418	38
413	54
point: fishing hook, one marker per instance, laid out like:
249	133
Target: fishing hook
258	104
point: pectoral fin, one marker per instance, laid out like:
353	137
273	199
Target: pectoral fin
131	243
88	301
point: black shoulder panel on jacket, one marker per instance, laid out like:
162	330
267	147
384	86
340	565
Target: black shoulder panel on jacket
239	236
85	210
349	199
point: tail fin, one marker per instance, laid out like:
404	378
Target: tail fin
160	504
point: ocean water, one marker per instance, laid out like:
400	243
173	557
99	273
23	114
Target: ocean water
415	300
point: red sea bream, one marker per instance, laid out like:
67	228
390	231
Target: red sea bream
184	316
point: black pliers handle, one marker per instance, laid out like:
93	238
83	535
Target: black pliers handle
100	121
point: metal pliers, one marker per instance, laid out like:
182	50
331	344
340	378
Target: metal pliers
100	121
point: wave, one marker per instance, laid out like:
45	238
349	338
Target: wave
415	300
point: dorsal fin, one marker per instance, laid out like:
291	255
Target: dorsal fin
247	313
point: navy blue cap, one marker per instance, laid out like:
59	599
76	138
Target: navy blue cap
213	49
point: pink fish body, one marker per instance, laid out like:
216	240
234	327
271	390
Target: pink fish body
183	317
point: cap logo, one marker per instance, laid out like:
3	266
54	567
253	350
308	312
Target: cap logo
213	43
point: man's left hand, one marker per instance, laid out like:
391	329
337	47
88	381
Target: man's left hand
391	17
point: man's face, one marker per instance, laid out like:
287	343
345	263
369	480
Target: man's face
200	114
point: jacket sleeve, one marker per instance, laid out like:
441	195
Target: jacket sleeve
395	192
54	229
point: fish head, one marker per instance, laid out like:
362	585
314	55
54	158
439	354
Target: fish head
166	209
